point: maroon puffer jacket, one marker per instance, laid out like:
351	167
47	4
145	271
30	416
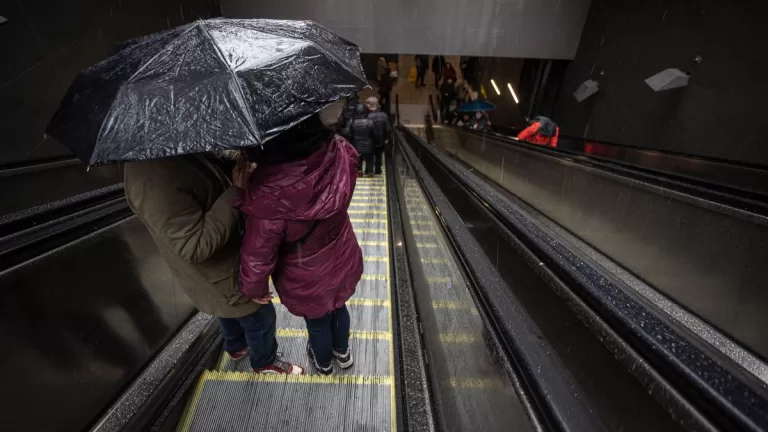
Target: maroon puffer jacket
281	205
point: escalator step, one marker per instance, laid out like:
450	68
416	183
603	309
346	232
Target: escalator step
237	401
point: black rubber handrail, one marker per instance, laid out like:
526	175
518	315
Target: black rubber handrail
555	400
667	360
715	192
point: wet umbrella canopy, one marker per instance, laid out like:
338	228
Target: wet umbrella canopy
477	105
211	85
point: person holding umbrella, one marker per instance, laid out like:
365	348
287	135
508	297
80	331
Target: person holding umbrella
162	101
297	230
479	109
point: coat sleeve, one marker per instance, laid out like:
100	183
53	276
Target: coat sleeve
527	133
175	216
258	255
557	135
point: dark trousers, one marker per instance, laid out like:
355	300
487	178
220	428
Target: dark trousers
368	158
384	102
330	332
421	73
438	75
255	331
378	155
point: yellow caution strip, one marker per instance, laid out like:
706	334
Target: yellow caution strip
374	277
295	379
458	338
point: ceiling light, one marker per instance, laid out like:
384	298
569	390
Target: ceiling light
495	88
509	86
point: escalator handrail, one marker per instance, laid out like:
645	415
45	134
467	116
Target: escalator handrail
721	194
709	159
751	193
557	401
688	375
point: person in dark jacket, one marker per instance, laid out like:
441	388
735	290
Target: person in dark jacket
186	203
438	64
360	131
385	89
542	131
422	65
447	96
297	231
349	110
383	131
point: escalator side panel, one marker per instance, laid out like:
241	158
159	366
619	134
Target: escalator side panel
80	323
674	245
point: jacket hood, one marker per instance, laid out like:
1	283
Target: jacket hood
546	126
309	189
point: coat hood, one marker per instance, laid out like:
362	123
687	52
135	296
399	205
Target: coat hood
314	188
546	126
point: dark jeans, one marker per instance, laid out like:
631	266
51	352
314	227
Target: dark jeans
438	76
256	331
377	159
421	73
331	332
368	159
384	102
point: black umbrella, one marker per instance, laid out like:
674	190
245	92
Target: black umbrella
211	85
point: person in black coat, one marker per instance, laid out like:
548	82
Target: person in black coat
361	133
447	96
385	88
438	63
383	131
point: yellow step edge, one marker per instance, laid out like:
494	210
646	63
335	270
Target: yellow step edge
354	334
372	243
374	277
371	230
377	212
294	379
370	220
355	302
365	204
375	258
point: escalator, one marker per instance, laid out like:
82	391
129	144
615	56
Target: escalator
486	304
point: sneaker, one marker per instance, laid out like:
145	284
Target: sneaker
239	355
280	367
321	370
345	360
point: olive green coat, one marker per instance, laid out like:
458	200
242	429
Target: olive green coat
186	204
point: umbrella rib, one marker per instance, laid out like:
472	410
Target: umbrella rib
248	118
139	70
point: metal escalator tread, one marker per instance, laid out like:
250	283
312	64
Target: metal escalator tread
361	398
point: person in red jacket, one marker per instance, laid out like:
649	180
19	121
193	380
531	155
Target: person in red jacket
542	131
297	231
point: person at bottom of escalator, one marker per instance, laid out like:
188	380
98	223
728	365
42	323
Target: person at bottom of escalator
297	230
383	131
362	133
447	96
186	203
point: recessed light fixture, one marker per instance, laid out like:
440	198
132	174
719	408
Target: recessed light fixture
509	86
3	20
495	87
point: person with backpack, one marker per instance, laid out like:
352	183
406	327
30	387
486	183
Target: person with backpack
298	232
361	132
383	131
542	131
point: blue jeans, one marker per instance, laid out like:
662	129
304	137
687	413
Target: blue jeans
330	332
255	331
